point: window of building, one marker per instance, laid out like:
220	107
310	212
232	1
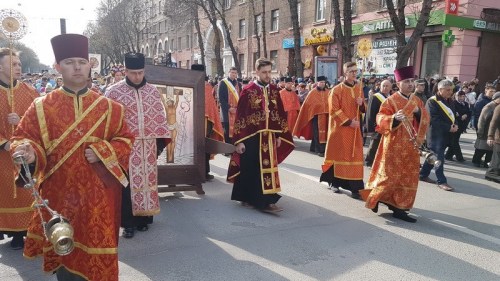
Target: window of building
273	56
320	10
179	43
255	58
241	59
242	32
354	7
275	17
188	42
258	21
431	57
195	40
172	45
227	4
159	7
383	3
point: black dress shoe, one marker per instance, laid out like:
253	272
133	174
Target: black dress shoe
402	215
128	232
428	180
143	228
209	177
17	242
375	209
355	195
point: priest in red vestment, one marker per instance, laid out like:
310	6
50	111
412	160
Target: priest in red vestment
388	182
147	120
343	164
79	145
262	139
312	122
15	204
291	102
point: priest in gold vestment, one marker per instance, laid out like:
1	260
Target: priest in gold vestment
79	145
388	182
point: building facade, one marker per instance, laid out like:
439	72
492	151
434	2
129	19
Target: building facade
459	43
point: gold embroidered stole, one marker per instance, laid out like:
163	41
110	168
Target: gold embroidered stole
445	109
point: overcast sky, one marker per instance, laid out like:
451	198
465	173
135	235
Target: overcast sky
43	21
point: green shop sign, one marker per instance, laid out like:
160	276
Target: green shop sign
436	18
470	23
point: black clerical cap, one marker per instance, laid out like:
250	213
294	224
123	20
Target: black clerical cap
134	61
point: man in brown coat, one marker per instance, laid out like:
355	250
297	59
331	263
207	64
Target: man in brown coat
493	172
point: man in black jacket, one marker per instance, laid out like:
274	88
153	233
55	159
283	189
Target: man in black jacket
371	119
483	100
442	122
462	116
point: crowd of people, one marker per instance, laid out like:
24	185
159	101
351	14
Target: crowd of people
62	127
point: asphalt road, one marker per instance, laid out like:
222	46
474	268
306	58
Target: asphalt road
319	235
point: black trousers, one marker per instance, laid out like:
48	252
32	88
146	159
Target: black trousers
372	149
478	155
316	146
225	126
128	218
64	275
454	147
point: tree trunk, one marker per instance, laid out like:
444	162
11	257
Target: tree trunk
263	22
201	45
343	38
229	40
294	13
405	49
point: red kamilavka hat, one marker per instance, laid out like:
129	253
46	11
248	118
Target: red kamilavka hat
403	73
70	46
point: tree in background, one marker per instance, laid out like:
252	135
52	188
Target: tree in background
343	32
28	57
298	69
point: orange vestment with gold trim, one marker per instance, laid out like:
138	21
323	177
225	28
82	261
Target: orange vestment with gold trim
212	114
291	105
15	203
60	126
344	149
394	176
316	103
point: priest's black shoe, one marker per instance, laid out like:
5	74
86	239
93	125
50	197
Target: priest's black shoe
17	242
402	215
128	232
143	228
209	177
355	195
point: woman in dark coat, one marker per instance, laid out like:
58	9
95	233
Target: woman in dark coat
462	118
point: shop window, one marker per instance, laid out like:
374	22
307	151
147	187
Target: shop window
320	10
431	57
275	16
273	56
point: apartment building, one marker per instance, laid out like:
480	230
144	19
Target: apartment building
458	43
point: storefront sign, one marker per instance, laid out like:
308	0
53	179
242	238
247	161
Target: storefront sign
436	18
452	7
381	25
470	23
382	59
319	40
289	43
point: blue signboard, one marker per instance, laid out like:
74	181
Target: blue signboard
288	43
